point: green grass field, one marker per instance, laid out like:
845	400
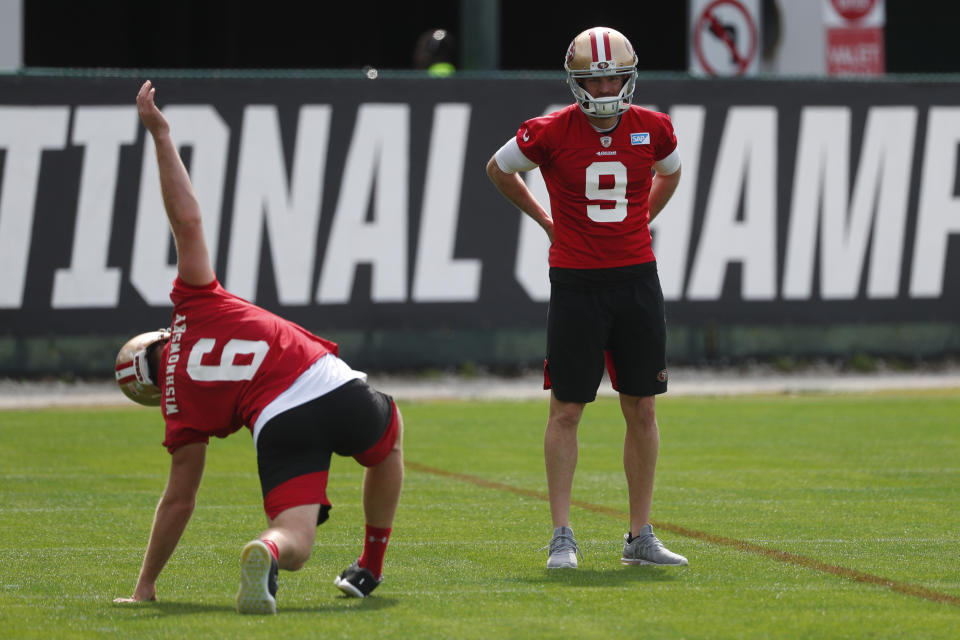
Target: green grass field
803	517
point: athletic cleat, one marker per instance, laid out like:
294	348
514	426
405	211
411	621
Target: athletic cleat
563	549
356	582
647	549
258	579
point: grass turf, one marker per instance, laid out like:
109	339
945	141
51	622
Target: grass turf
863	483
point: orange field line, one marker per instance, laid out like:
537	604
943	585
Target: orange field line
741	545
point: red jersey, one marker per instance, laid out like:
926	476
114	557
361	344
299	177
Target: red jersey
598	183
226	360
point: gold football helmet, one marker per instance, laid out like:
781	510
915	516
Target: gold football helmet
133	369
596	52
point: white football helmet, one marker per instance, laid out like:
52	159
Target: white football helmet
597	52
133	370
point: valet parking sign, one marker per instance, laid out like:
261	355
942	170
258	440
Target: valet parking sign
724	37
854	36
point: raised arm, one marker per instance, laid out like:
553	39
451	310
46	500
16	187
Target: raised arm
179	199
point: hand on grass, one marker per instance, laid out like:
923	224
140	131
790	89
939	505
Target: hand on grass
141	594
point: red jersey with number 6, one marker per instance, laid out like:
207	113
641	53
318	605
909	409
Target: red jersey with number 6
599	183
226	360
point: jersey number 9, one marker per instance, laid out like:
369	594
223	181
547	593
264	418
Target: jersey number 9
599	188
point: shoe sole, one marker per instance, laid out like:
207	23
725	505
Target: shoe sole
254	594
561	564
631	561
348	589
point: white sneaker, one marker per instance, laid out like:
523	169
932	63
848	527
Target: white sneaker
258	579
647	549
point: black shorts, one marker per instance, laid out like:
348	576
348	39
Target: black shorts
612	317
294	448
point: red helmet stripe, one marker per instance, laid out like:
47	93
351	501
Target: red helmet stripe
125	373
600	46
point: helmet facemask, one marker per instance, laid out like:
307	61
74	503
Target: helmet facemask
600	52
608	106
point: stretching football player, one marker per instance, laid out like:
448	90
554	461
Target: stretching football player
610	167
225	363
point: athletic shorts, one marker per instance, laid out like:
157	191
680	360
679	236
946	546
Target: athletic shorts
605	317
295	447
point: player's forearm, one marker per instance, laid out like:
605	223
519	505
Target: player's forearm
661	190
525	201
515	190
179	198
169	523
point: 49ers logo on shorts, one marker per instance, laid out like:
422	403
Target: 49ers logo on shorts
662	376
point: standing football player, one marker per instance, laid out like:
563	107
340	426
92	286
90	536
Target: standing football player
225	363
610	167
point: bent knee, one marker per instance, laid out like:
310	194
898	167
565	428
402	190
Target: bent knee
296	559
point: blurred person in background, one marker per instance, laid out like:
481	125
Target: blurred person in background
435	53
610	167
225	363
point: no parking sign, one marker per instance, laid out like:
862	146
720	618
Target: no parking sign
724	37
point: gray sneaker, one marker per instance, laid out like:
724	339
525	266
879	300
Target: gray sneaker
563	550
647	549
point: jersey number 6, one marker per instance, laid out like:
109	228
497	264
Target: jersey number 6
249	352
599	188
